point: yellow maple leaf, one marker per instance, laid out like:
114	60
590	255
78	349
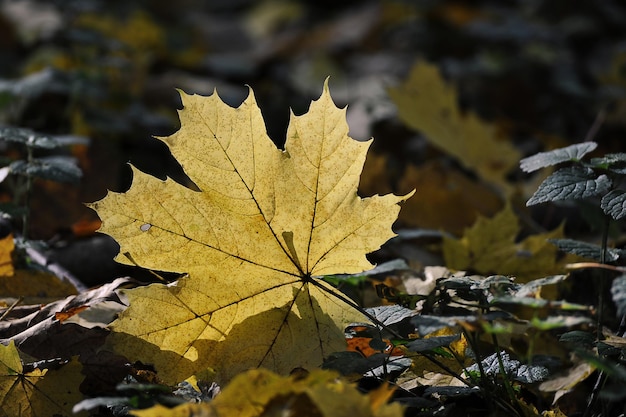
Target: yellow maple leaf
260	392
428	104
38	392
265	224
490	246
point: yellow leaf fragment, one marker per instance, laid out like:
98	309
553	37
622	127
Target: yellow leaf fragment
490	246
39	392
265	224
261	392
6	249
427	103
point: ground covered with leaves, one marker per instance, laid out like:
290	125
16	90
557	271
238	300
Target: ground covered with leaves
236	256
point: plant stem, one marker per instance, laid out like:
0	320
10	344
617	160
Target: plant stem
374	320
603	277
29	186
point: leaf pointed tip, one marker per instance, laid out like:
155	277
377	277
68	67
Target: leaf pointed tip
326	83
407	196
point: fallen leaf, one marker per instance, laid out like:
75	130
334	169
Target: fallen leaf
430	105
366	340
253	241
490	246
40	392
260	392
448	199
64	315
6	249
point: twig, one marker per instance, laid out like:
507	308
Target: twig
11	307
597	123
583	265
57	269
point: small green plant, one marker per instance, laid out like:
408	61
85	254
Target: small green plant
20	173
600	180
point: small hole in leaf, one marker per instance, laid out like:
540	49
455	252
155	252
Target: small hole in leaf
145	227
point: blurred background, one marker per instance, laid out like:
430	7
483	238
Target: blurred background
502	80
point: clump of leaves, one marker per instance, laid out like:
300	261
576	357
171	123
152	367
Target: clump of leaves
254	239
600	179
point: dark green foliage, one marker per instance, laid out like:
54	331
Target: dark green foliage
58	168
587	250
614	204
571	183
600	178
53	168
423	345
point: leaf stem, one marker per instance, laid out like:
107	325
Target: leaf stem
377	322
29	186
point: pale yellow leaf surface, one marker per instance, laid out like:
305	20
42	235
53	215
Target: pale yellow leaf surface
491	246
261	392
430	105
265	223
39	392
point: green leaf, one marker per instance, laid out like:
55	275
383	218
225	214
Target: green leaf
618	290
609	161
390	314
426	324
533	302
353	363
586	250
28	138
527	374
58	168
530	288
424	345
556	322
614	204
578	338
556	156
570	183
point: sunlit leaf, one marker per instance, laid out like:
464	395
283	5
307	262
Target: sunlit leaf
263	393
556	156
614	204
40	392
495	364
490	246
264	226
